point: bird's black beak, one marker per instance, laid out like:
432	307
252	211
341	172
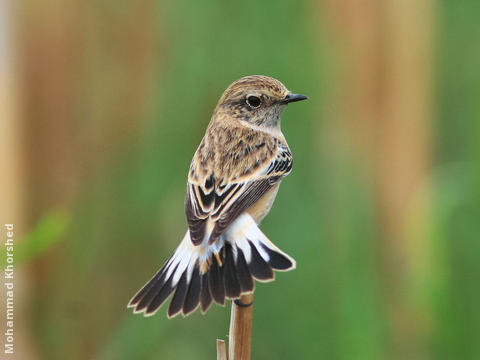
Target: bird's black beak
293	98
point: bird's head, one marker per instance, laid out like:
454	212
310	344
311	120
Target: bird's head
258	100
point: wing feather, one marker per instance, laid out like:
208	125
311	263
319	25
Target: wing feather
225	181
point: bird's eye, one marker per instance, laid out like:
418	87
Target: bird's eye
253	101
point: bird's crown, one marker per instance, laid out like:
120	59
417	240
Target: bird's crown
255	85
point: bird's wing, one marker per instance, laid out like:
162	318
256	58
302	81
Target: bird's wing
234	179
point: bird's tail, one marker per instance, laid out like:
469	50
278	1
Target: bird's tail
198	275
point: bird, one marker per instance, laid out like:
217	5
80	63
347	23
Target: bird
233	180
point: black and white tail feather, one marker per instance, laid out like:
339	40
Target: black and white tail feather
197	275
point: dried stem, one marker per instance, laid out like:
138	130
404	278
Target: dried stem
240	337
221	350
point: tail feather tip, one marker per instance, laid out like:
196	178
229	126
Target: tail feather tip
195	282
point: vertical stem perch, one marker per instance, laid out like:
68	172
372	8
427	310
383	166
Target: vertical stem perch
221	350
240	337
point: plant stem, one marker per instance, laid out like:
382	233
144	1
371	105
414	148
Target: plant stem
240	336
221	350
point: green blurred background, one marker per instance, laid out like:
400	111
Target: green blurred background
104	104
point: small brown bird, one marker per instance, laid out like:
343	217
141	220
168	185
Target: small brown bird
233	180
